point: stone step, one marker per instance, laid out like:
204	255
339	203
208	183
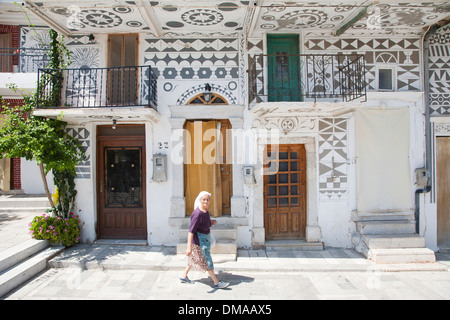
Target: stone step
20	252
402	256
386	227
16	275
293	245
219	233
115	242
394	241
222	247
22	201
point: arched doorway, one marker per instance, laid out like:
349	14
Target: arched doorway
214	136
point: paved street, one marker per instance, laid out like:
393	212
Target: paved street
107	272
129	272
147	284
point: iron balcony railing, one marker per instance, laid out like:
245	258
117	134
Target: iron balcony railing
97	87
307	77
23	60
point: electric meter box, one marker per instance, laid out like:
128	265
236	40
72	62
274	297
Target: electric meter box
160	167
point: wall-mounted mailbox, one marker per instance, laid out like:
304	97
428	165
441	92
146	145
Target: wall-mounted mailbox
160	167
249	176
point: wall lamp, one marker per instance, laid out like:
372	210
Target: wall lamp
207	95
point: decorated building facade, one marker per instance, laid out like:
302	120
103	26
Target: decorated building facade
312	123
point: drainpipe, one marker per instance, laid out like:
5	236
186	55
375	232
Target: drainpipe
417	208
428	157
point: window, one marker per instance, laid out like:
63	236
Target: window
215	99
386	78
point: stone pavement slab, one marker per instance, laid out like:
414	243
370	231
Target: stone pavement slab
96	284
116	257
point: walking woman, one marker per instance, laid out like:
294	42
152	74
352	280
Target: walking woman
199	241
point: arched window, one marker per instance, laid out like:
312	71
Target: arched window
215	99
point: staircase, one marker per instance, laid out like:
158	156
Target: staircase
33	204
25	257
23	261
390	240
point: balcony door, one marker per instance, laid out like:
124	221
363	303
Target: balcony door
283	68
123	72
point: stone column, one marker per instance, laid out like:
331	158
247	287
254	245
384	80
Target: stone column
178	201
238	203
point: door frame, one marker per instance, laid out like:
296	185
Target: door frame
122	142
313	230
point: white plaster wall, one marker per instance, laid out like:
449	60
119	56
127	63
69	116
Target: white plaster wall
159	193
30	176
335	223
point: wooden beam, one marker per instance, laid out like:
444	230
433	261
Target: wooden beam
352	21
149	16
50	22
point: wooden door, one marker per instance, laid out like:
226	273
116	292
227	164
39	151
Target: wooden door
6	57
226	167
284	68
121	188
285	192
122	77
443	190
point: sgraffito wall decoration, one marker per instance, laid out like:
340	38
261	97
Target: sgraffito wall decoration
402	53
439	66
333	144
83	135
183	66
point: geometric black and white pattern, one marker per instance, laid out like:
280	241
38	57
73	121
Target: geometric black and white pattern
83	169
439	66
404	53
333	152
185	59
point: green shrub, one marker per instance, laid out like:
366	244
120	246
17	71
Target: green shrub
56	229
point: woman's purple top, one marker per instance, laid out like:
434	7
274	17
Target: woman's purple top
200	222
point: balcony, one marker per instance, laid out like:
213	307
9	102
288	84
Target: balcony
23	60
305	78
19	66
97	88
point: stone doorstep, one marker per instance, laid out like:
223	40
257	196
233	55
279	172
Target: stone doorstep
386	227
219	233
394	241
402	256
293	245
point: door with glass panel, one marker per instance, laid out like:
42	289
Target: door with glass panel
121	188
285	192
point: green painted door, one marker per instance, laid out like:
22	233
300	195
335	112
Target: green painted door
284	83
